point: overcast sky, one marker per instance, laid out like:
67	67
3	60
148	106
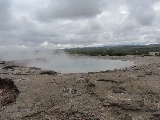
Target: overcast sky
71	23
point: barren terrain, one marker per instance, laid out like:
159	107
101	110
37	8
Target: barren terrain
30	93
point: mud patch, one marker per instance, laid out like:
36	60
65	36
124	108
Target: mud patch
109	81
116	89
8	92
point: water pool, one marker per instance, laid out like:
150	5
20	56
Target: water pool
66	64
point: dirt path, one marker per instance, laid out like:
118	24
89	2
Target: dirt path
127	94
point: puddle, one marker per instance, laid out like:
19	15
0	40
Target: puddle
24	109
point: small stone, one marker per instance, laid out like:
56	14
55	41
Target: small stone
128	117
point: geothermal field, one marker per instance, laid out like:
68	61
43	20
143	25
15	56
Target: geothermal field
55	85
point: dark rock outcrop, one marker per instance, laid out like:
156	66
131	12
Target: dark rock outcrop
48	72
8	92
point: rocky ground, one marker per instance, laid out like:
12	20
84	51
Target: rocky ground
30	93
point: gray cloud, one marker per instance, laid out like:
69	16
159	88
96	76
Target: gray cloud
142	11
4	11
81	22
5	15
70	9
6	24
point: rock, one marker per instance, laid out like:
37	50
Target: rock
48	72
2	62
110	81
128	117
34	68
90	85
9	67
108	71
148	73
118	89
82	80
69	90
7	100
155	117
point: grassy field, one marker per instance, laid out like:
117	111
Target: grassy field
116	50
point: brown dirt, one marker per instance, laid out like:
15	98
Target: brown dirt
125	94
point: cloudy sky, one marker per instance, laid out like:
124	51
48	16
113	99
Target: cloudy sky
77	23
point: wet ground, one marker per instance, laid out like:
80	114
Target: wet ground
126	94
